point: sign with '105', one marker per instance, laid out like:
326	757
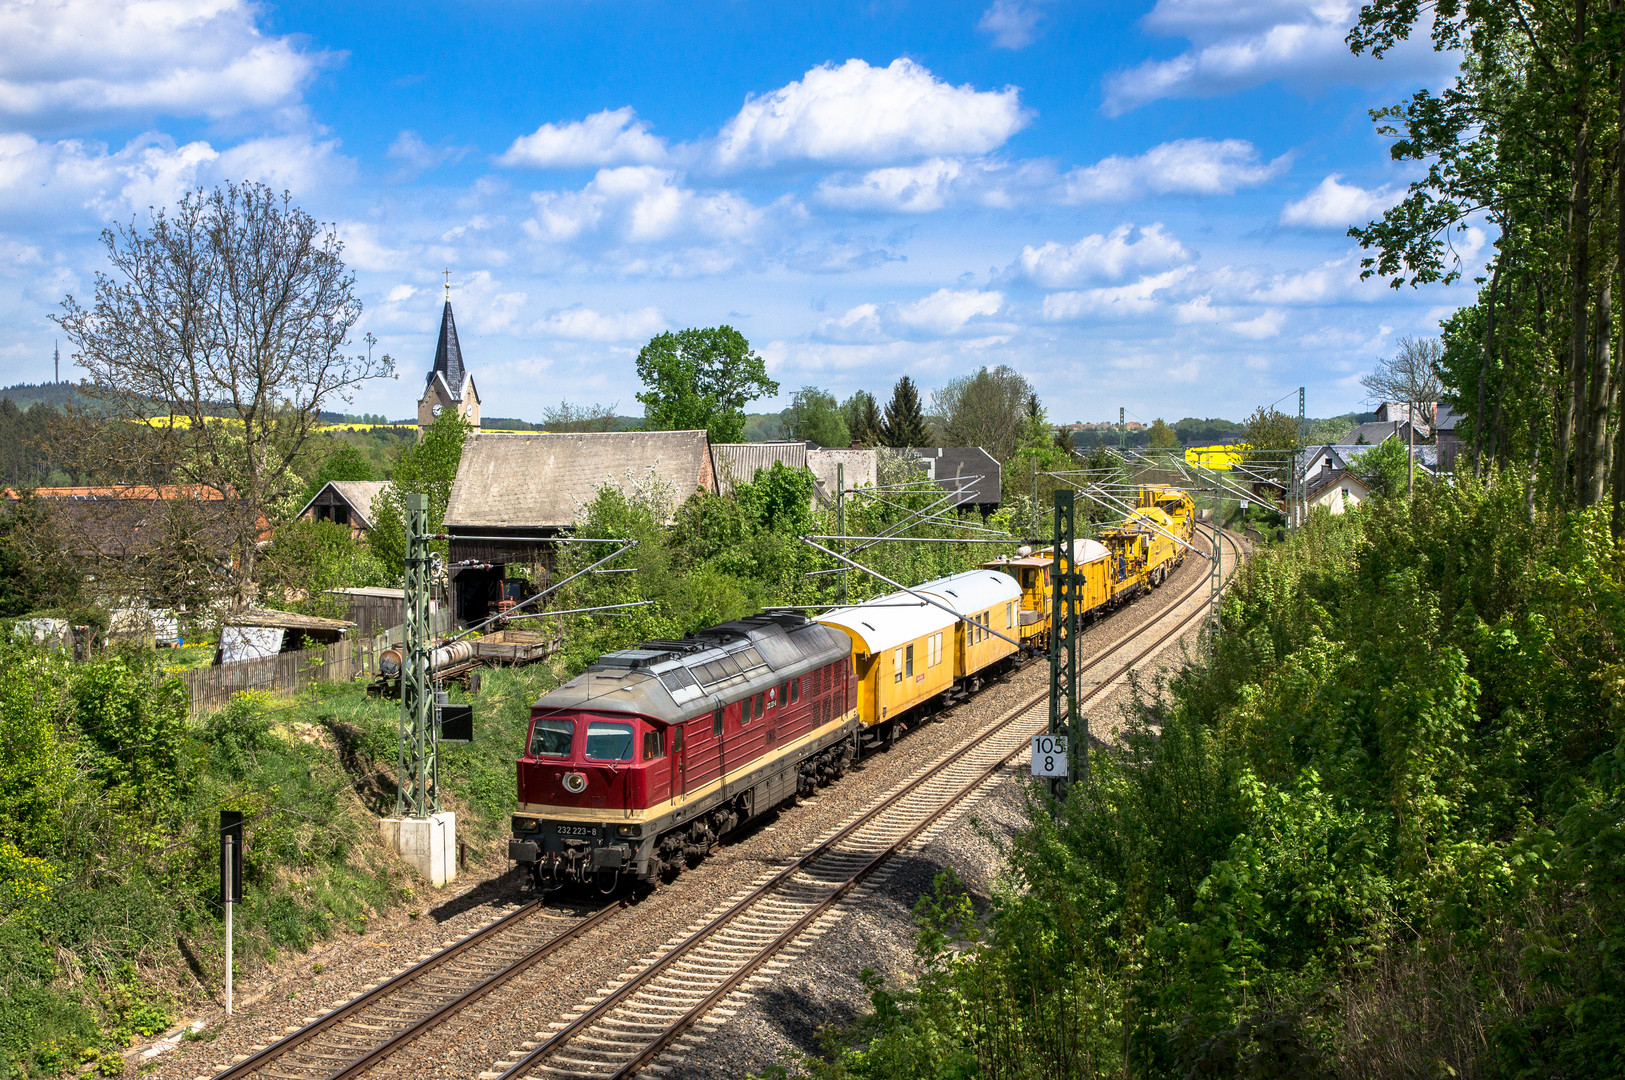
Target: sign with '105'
1049	755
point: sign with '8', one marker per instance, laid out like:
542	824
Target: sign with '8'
1049	755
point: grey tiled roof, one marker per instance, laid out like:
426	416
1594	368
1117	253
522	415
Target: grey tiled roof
544	481
358	493
953	466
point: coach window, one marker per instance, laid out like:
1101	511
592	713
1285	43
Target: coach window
716	722
653	745
908	662
897	665
1010	615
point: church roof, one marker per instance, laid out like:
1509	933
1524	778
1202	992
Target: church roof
448	356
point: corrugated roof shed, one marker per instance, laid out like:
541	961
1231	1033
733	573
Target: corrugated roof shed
737	462
287	620
545	481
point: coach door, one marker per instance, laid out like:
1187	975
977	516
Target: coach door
679	761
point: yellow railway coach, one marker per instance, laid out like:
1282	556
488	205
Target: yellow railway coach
987	602
907	653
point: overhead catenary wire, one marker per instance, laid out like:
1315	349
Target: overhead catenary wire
897	585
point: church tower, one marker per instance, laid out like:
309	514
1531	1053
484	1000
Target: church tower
449	385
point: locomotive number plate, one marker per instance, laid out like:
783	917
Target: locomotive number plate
576	830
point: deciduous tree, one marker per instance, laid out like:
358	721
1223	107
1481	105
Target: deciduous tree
701	379
219	337
814	416
986	409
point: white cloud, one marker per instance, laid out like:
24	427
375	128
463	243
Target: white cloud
1336	205
71	59
291	162
859	114
1125	250
1181	167
584	324
417	156
910	189
944	313
611	137
1012	24
1266	325
1117	302
642	205
1242	43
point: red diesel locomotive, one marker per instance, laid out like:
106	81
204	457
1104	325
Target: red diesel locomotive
649	756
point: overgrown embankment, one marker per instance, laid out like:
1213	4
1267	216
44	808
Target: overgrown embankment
1379	834
109	805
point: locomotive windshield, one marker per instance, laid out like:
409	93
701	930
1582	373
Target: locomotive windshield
552	738
609	742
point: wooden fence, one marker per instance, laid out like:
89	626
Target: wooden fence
212	687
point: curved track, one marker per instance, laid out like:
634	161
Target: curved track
626	1029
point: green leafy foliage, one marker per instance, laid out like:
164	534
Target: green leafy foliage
1377	833
701	379
426	467
814	416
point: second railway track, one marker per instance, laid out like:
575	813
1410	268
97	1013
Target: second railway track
627	1028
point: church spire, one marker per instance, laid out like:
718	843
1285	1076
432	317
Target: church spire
448	354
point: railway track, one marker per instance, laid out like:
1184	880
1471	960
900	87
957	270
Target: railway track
627	1028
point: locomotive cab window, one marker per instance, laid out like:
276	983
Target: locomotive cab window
609	742
653	745
552	738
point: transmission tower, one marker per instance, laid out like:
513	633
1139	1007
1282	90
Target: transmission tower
418	781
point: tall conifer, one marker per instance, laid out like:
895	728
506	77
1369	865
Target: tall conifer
905	420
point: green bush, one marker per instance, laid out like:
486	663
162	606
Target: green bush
1380	833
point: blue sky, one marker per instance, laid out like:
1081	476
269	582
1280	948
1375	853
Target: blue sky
1134	205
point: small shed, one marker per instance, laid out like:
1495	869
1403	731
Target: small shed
373	610
737	463
251	633
346	502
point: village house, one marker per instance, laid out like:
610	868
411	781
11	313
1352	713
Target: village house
345	502
513	493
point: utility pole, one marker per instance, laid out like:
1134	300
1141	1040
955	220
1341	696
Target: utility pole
840	527
420	832
1063	651
417	789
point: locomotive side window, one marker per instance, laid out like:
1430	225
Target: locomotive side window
677	739
716	723
609	742
760	708
653	745
795	690
552	738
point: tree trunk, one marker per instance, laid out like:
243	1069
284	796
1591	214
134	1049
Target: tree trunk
1575	412
1618	521
1602	370
1481	427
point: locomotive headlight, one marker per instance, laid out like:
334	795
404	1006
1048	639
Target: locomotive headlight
575	783
629	830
